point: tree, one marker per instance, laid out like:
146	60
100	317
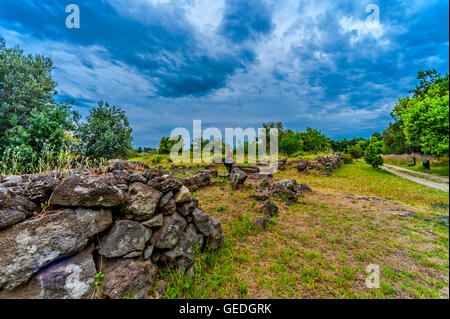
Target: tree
291	143
314	141
425	116
372	157
106	133
394	139
166	144
355	151
31	121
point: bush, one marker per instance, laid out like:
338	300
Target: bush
372	157
347	159
298	154
355	151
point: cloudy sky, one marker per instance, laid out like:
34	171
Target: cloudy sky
233	63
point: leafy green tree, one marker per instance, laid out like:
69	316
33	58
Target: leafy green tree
355	151
31	121
372	157
425	116
291	143
106	133
314	141
166	144
394	140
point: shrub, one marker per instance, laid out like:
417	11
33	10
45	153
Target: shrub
372	157
347	158
355	151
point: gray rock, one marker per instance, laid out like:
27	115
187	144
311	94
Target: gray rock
14	207
154	183
165	199
211	172
248	169
155	221
128	277
208	226
182	255
136	177
121	176
262	221
141	203
269	209
170	232
237	177
148	252
126	238
27	247
183	195
87	191
12	181
302	165
259	180
186	208
40	187
171	184
169	208
68	278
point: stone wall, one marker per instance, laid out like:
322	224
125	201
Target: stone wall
127	221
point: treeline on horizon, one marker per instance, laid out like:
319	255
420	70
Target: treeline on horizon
38	133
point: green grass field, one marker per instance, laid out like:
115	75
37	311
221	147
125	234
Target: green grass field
438	166
320	246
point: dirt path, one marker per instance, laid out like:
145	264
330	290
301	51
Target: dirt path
415	179
443	179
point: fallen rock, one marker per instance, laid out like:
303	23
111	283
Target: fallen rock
259	180
237	177
302	165
126	238
170	232
162	287
269	209
142	202
27	247
197	181
211	172
14	207
128	277
12	181
262	222
87	191
69	278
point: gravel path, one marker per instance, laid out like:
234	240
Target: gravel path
445	180
415	179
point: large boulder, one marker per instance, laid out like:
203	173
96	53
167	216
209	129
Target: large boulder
170	232
208	226
14	207
259	180
68	278
128	277
125	239
27	247
248	169
237	177
40	187
302	165
211	172
142	202
87	191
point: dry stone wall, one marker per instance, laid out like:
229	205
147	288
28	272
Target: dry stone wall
127	221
